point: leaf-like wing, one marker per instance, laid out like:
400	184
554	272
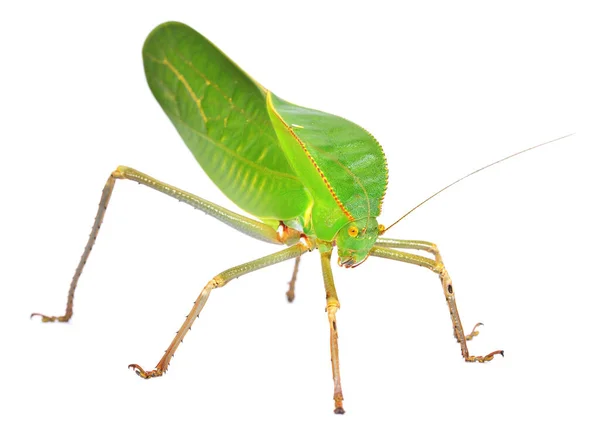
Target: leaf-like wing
221	114
349	171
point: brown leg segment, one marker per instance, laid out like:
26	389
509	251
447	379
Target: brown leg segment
291	290
333	305
105	198
438	267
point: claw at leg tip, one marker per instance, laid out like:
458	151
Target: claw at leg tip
138	370
339	411
64	318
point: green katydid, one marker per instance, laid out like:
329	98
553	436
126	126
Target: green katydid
312	179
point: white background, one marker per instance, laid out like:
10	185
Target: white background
445	88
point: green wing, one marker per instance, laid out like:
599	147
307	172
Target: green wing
343	166
221	114
276	160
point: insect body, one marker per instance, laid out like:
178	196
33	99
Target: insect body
312	179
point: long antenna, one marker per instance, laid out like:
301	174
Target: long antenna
473	173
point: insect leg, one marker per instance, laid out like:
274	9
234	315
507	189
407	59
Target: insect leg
410	244
438	268
248	226
241	223
104	199
291	290
333	305
218	281
430	248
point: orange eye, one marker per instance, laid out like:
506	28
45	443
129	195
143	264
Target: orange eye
352	231
381	229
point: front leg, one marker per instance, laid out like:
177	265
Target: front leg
432	249
437	266
333	305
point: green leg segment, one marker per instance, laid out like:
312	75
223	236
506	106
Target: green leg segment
437	266
409	244
248	226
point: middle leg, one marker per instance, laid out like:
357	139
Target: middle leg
216	282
